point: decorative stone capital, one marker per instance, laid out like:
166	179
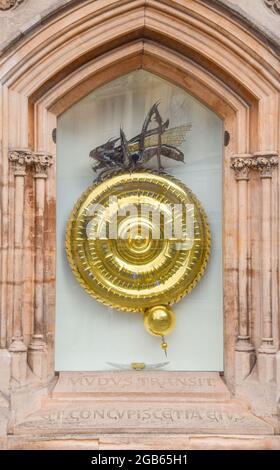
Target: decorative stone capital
9	4
265	163
25	158
21	159
273	5
241	165
42	161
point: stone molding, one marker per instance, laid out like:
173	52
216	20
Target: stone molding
25	158
9	4
241	165
273	5
20	160
28	72
264	162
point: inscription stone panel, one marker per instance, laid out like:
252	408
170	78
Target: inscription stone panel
190	385
90	417
146	401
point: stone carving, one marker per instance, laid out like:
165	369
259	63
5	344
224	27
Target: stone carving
201	384
9	4
241	167
202	417
264	163
20	159
24	158
273	5
42	162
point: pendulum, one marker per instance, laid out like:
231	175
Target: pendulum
160	321
164	346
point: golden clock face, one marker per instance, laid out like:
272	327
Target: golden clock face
138	239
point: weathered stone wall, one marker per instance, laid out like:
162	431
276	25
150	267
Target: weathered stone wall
17	17
233	72
263	14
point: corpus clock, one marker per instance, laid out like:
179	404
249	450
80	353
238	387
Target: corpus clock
138	239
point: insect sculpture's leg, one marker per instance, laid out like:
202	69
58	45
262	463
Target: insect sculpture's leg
160	123
160	167
154	112
126	161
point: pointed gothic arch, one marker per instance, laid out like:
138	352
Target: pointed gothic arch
210	55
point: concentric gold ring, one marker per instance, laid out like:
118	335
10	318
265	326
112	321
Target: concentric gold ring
140	267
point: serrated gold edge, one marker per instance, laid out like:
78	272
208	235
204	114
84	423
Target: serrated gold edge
76	272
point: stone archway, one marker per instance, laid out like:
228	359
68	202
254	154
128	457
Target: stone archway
228	69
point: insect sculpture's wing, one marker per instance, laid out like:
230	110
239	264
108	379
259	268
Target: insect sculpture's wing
174	137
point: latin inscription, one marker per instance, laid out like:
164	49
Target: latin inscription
182	401
200	384
136	416
124	382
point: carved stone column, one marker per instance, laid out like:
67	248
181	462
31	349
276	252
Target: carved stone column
265	163
37	351
244	356
20	160
9	4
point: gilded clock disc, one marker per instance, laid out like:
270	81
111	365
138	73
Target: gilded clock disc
129	259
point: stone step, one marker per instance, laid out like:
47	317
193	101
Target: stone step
141	385
140	441
91	416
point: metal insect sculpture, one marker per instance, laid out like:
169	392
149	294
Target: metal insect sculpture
136	152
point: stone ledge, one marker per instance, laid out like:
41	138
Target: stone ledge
137	402
123	384
142	442
143	416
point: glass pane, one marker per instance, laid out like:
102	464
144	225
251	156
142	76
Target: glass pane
89	335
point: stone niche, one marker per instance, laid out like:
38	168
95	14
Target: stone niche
236	74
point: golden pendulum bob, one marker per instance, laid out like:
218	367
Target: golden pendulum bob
160	321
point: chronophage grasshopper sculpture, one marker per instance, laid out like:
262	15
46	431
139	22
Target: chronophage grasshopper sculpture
158	141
